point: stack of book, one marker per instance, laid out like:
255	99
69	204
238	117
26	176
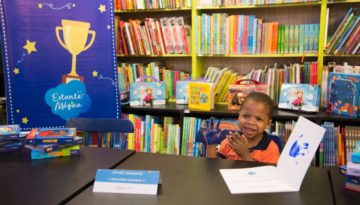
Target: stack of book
51	143
352	171
345	40
10	138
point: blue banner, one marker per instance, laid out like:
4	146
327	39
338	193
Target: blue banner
59	61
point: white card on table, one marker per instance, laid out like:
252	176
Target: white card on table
126	181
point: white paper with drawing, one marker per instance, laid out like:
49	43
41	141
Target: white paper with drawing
289	173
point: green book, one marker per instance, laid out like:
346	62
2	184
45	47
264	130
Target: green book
296	39
301	38
279	39
286	38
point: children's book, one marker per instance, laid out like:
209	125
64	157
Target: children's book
343	94
9	132
67	151
182	91
51	136
292	166
147	93
201	96
301	97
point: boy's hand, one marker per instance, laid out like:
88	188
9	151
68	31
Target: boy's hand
239	143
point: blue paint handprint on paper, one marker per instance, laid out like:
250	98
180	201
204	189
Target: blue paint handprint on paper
297	149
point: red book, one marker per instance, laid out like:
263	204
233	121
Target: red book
122	36
245	34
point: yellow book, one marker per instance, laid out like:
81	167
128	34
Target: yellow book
231	39
131	136
201	95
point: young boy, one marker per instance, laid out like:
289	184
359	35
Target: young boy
253	144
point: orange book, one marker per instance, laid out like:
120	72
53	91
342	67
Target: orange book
160	38
275	30
269	37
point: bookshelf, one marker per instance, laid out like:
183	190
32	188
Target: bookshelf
196	64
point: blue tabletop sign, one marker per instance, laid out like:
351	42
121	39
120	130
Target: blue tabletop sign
126	181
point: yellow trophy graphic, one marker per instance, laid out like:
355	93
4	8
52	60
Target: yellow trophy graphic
75	34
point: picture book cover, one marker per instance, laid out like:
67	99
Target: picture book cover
9	132
343	94
147	93
238	92
51	136
64	152
182	90
301	97
201	96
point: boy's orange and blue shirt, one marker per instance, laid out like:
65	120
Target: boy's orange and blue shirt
266	151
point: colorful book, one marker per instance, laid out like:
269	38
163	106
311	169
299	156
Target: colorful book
53	147
302	97
9	132
51	136
201	95
10	146
68	151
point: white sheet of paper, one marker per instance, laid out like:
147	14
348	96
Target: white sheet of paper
289	173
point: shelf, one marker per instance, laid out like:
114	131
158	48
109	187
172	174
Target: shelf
261	55
260	6
168	109
343	1
221	111
154	56
151	10
341	55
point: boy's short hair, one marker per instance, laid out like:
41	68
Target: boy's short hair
261	98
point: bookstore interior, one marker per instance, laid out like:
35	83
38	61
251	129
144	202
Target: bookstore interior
130	98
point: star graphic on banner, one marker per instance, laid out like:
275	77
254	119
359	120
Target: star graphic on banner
108	27
95	73
30	46
40	6
16	71
24	120
18	110
102	8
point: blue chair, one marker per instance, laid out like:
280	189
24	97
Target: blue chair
101	125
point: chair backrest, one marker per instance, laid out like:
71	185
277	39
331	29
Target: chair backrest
278	142
101	125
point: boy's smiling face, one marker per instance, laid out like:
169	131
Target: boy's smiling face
253	119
